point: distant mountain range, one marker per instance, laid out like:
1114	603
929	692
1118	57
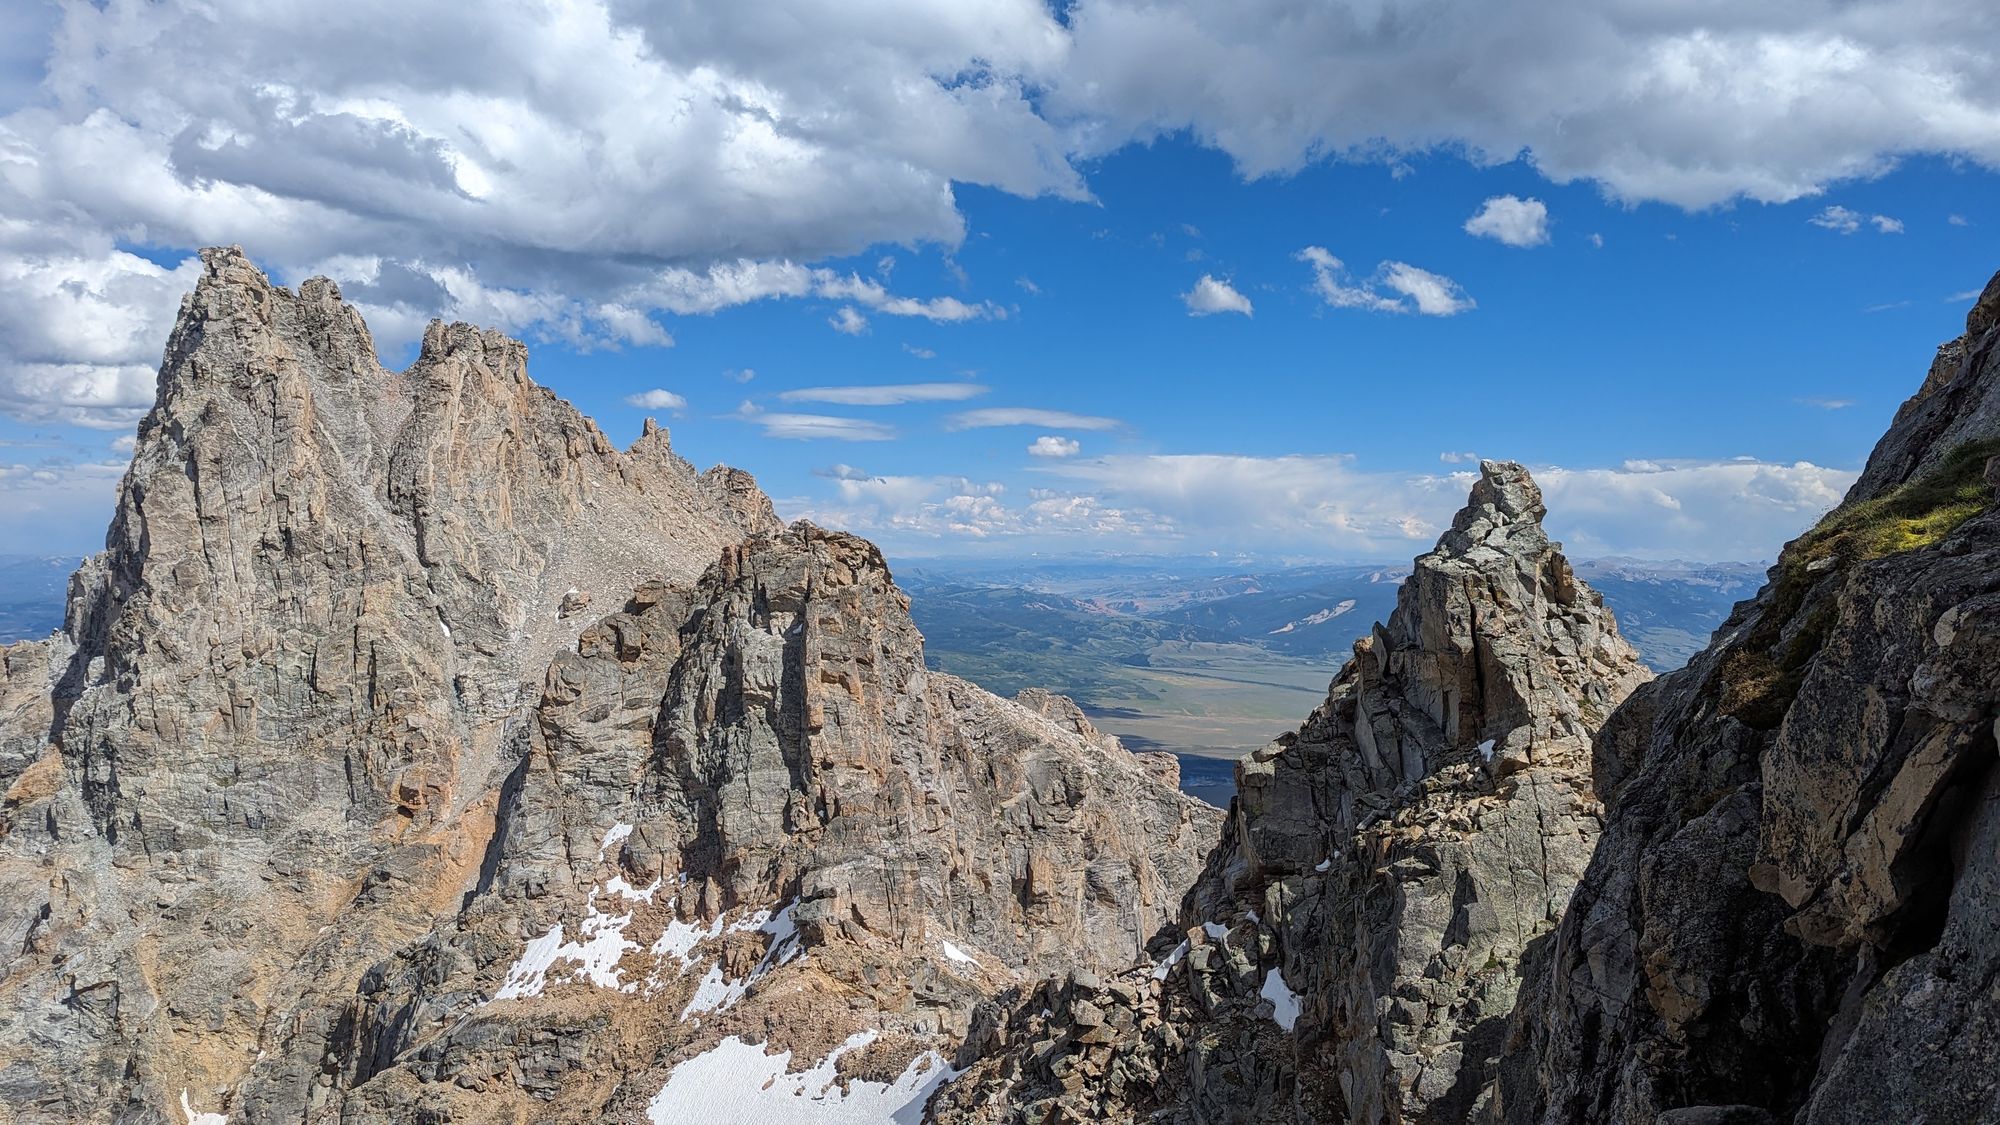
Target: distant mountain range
1004	622
1008	620
31	594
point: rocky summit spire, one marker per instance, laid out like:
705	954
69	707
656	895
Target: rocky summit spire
337	799
1351	951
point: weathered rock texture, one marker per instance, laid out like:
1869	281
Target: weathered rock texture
1794	913
265	746
331	740
770	745
1352	947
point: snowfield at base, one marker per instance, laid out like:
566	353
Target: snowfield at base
736	1083
1284	1002
194	1118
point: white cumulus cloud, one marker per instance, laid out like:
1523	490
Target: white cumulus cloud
1698	509
1408	288
656	399
1212	295
1844	221
585	171
82	326
1512	220
1627	95
58	506
1049	445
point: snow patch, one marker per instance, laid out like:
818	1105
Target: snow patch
604	945
1215	930
614	838
600	945
736	1083
1284	1002
954	953
1322	865
1326	615
1486	749
618	886
781	928
1318	617
194	1118
596	955
526	975
1161	970
680	938
716	992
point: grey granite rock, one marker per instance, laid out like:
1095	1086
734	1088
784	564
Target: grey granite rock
1792	912
262	753
766	744
1351	950
335	799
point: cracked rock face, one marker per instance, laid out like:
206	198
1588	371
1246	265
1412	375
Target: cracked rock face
769	745
336	799
1351	950
262	752
1793	912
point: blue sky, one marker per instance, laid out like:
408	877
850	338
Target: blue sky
1694	361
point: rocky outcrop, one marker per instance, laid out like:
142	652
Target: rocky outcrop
1792	913
265	748
805	837
25	712
333	748
1351	951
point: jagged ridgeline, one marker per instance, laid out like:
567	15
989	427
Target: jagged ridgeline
340	798
413	754
1763	889
1353	947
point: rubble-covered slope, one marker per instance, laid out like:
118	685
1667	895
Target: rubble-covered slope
1793	912
1351	950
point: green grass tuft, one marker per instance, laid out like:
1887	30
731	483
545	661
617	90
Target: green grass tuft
1761	682
1918	514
